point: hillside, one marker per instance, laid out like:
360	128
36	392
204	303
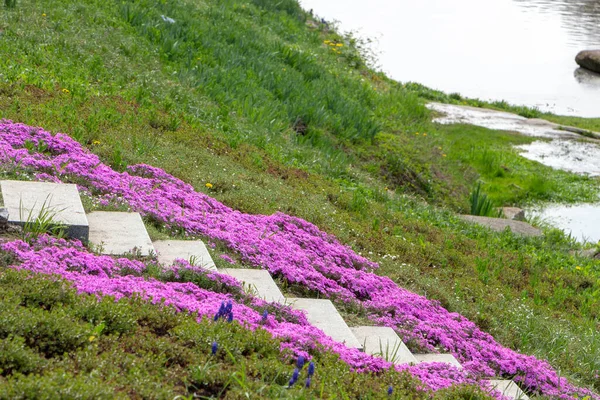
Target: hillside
263	109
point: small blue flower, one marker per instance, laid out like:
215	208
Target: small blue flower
311	369
307	384
213	349
390	390
222	311
294	378
228	307
265	315
300	362
230	316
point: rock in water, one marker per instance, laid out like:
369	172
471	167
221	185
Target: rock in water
589	59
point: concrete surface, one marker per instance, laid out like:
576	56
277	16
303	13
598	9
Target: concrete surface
383	342
27	201
118	233
193	251
440	358
500	224
257	281
323	315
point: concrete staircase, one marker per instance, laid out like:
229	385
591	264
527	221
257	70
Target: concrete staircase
258	282
509	389
118	233
193	251
60	203
382	341
324	315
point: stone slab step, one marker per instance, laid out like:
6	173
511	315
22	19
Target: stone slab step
257	281
440	358
193	251
117	233
383	342
25	201
500	224
323	315
509	389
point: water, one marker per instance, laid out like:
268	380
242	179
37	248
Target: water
581	221
491	119
578	157
521	51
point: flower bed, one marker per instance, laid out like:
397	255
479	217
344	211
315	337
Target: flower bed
286	246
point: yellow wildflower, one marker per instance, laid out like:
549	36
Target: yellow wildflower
209	185
443	155
578	268
327	41
96	142
65	90
44	14
424	134
92	338
339	44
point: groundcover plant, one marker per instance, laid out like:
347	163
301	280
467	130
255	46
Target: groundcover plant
286	246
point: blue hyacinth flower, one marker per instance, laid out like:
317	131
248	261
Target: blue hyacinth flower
214	347
265	315
300	362
311	369
294	378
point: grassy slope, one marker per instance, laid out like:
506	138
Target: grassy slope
220	96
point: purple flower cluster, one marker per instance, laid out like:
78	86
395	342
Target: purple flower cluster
284	245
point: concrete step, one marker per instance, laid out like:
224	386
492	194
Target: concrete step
257	281
28	201
323	315
440	358
500	224
509	389
383	342
193	251
117	233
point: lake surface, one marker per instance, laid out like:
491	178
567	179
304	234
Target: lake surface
521	51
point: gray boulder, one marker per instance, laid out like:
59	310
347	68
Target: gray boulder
514	213
589	59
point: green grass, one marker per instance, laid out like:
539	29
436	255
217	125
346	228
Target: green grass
481	204
247	96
